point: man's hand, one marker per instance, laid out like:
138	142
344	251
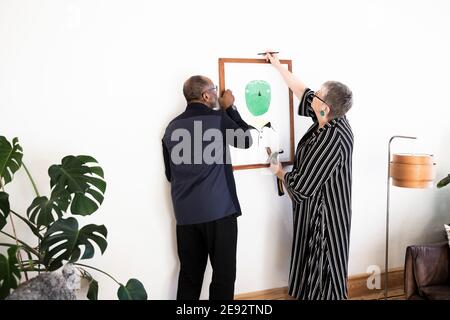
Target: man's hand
226	100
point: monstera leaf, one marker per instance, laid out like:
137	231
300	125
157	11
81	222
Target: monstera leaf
444	182
42	210
9	272
4	209
84	182
93	290
134	290
10	159
63	240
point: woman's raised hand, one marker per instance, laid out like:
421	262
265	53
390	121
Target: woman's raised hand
272	58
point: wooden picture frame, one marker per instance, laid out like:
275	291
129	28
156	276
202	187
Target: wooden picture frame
222	85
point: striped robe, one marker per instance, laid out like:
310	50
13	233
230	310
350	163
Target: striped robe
320	185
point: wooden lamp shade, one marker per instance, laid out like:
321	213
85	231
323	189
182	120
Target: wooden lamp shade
412	170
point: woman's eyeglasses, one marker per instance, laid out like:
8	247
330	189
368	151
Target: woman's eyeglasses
320	99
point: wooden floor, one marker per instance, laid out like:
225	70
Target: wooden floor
394	294
357	289
281	294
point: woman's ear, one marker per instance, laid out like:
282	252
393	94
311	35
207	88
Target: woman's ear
324	110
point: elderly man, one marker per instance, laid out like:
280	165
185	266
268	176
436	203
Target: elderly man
196	156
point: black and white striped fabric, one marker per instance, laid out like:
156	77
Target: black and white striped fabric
320	185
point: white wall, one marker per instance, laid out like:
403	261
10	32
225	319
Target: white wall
104	78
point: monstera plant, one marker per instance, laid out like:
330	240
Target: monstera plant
77	189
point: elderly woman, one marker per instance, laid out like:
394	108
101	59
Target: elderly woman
320	188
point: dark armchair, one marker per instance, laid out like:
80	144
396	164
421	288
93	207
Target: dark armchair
427	272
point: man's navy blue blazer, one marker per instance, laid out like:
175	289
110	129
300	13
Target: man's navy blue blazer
203	192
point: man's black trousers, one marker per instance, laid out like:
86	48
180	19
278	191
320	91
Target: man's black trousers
216	239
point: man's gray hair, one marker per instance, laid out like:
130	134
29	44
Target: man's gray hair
193	87
339	96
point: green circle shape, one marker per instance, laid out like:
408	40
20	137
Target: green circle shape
257	97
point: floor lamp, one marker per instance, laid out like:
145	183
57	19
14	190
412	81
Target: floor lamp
406	171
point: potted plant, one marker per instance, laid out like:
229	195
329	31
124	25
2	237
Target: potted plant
77	189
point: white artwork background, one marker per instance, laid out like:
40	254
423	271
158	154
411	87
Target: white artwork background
237	76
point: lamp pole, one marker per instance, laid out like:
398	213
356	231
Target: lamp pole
387	215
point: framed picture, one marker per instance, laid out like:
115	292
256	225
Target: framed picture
266	103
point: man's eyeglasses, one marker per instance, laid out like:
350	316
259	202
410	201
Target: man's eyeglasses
209	89
320	99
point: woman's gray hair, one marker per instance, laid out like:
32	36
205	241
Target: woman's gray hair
339	96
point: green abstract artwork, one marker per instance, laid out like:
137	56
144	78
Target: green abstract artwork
257	97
